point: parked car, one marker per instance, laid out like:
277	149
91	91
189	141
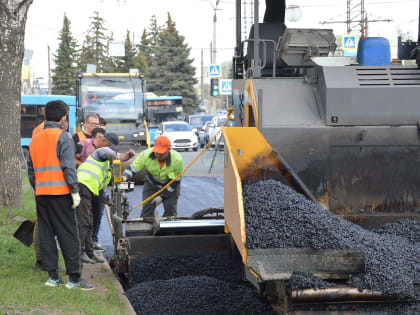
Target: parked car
179	133
214	127
221	112
203	134
197	121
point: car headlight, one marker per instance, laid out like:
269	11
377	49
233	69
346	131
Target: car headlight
135	135
142	133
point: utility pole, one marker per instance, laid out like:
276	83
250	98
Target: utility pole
247	17
356	17
202	79
213	48
49	72
214	31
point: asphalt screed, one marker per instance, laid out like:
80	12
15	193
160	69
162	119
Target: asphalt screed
195	284
276	216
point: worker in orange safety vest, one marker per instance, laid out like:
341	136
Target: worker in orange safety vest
52	174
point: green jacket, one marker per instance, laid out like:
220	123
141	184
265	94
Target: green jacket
94	175
147	160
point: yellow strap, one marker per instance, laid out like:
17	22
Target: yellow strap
230	111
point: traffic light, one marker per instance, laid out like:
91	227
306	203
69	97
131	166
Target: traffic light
214	87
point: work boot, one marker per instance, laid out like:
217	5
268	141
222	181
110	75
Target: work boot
95	258
84	258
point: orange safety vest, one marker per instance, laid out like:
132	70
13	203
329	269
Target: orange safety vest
49	176
38	128
82	136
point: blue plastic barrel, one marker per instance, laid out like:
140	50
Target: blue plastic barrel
374	51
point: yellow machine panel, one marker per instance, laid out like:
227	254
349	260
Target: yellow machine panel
246	148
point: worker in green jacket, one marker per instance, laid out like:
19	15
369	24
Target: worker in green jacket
94	174
162	165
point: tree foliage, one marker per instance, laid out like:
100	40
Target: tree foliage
125	63
95	48
170	69
64	74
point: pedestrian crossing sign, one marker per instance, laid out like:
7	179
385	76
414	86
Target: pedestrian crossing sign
226	87
349	42
215	71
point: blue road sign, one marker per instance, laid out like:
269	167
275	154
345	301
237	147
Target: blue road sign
349	42
215	71
226	87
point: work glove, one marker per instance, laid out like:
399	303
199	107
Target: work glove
157	201
170	189
76	200
124	178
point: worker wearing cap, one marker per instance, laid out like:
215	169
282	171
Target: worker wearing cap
162	165
93	175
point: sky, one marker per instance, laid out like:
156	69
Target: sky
194	20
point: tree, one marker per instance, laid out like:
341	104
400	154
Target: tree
12	33
124	63
64	74
147	46
95	47
171	70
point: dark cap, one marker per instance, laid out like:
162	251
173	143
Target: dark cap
113	140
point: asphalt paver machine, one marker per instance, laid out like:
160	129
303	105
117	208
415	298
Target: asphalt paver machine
347	137
351	132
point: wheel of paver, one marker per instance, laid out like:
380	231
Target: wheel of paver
138	179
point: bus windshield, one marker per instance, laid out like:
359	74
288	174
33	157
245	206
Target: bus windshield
115	98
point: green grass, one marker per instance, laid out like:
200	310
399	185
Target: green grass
22	289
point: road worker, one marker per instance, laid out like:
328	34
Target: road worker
94	175
161	164
52	174
91	122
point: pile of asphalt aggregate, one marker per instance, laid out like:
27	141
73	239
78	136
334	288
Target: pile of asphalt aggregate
408	228
195	295
276	216
219	266
306	280
192	284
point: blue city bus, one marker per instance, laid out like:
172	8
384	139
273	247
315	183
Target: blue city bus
160	109
32	114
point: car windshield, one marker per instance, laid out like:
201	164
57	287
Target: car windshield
176	127
199	120
113	98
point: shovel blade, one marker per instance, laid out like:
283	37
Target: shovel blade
25	232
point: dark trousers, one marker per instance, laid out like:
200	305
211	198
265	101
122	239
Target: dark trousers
85	216
57	218
170	200
97	225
